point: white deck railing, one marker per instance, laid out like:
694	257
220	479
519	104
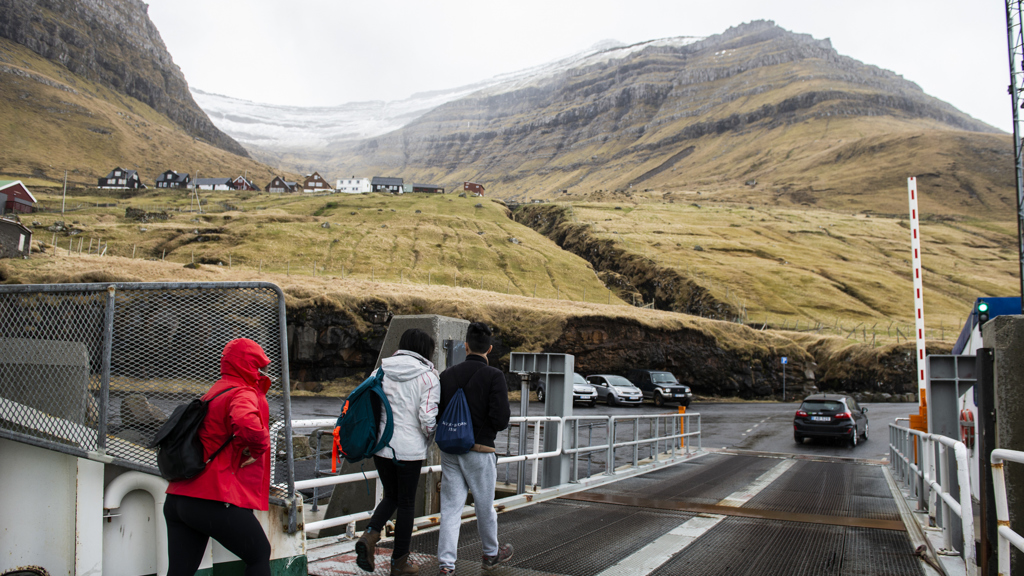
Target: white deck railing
922	462
670	431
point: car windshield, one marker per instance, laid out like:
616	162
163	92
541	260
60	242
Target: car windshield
663	378
578	380
619	381
822	406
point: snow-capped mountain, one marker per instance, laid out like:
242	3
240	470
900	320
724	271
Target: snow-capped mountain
280	128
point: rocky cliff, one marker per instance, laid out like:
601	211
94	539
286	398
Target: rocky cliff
114	43
665	114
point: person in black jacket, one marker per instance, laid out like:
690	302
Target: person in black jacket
487	397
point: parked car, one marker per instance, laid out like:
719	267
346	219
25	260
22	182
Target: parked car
615	389
582	392
660	387
830	416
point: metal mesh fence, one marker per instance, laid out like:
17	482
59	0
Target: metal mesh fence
94	370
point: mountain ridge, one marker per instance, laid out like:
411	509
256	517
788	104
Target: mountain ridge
113	43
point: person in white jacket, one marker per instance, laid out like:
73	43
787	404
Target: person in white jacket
412	387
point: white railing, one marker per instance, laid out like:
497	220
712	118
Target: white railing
668	431
1006	535
922	462
672	430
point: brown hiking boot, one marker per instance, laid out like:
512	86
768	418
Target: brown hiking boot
504	555
366	546
402	565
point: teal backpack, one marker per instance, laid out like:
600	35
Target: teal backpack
355	433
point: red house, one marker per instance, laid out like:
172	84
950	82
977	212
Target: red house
15	197
243	183
473	187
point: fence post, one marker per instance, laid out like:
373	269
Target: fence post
108	339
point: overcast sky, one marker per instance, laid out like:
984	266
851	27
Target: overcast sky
325	52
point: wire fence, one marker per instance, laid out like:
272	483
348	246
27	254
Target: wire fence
96	369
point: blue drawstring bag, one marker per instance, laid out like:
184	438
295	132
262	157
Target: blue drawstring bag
455	430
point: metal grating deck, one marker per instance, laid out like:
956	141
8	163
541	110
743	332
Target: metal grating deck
816	519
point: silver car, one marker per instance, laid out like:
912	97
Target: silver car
581	391
615	389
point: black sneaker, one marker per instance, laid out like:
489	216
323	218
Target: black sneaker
504	555
446	572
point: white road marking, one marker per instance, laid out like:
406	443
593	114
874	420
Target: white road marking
650	557
662	549
741	497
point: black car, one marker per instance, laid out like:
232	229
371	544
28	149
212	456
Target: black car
830	416
660	387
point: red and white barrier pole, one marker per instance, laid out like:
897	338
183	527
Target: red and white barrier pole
915	248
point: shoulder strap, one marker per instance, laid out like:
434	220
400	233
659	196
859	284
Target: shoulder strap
230	438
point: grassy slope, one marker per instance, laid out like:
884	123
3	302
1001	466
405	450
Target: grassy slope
369	236
815	265
52	120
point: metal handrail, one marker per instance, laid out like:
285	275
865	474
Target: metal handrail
1006	534
355	477
924	457
535	421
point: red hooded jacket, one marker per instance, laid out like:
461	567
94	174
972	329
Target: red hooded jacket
243	412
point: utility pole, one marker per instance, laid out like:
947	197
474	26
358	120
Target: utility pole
1015	45
64	197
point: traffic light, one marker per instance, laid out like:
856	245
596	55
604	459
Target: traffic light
982	312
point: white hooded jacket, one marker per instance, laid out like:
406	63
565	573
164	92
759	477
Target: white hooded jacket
413	390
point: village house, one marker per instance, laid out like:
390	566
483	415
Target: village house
15	197
15	239
279	185
119	178
473	187
385	184
315	183
243	183
428	188
213	183
353	185
172	179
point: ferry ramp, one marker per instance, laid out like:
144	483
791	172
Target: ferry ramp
719	513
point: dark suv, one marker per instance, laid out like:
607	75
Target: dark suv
660	387
830	416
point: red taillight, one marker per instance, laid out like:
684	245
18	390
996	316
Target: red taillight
843	416
801	414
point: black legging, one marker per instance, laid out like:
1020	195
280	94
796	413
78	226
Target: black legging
191	522
400	481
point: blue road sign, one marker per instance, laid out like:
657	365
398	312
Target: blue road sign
785	360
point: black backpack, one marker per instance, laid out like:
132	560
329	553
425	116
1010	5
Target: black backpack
179	451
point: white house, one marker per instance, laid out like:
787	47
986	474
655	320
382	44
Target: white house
353	185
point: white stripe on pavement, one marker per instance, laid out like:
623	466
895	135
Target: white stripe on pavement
741	497
650	557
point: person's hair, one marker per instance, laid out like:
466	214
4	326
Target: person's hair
418	341
478	337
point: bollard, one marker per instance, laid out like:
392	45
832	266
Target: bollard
682	425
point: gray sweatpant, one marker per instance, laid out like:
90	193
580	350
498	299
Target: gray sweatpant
476	471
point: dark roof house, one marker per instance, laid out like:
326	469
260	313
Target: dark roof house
279	184
315	183
428	188
213	183
172	179
385	184
121	178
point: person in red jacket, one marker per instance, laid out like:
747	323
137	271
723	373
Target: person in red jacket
218	503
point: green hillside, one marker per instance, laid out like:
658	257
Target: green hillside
414	238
